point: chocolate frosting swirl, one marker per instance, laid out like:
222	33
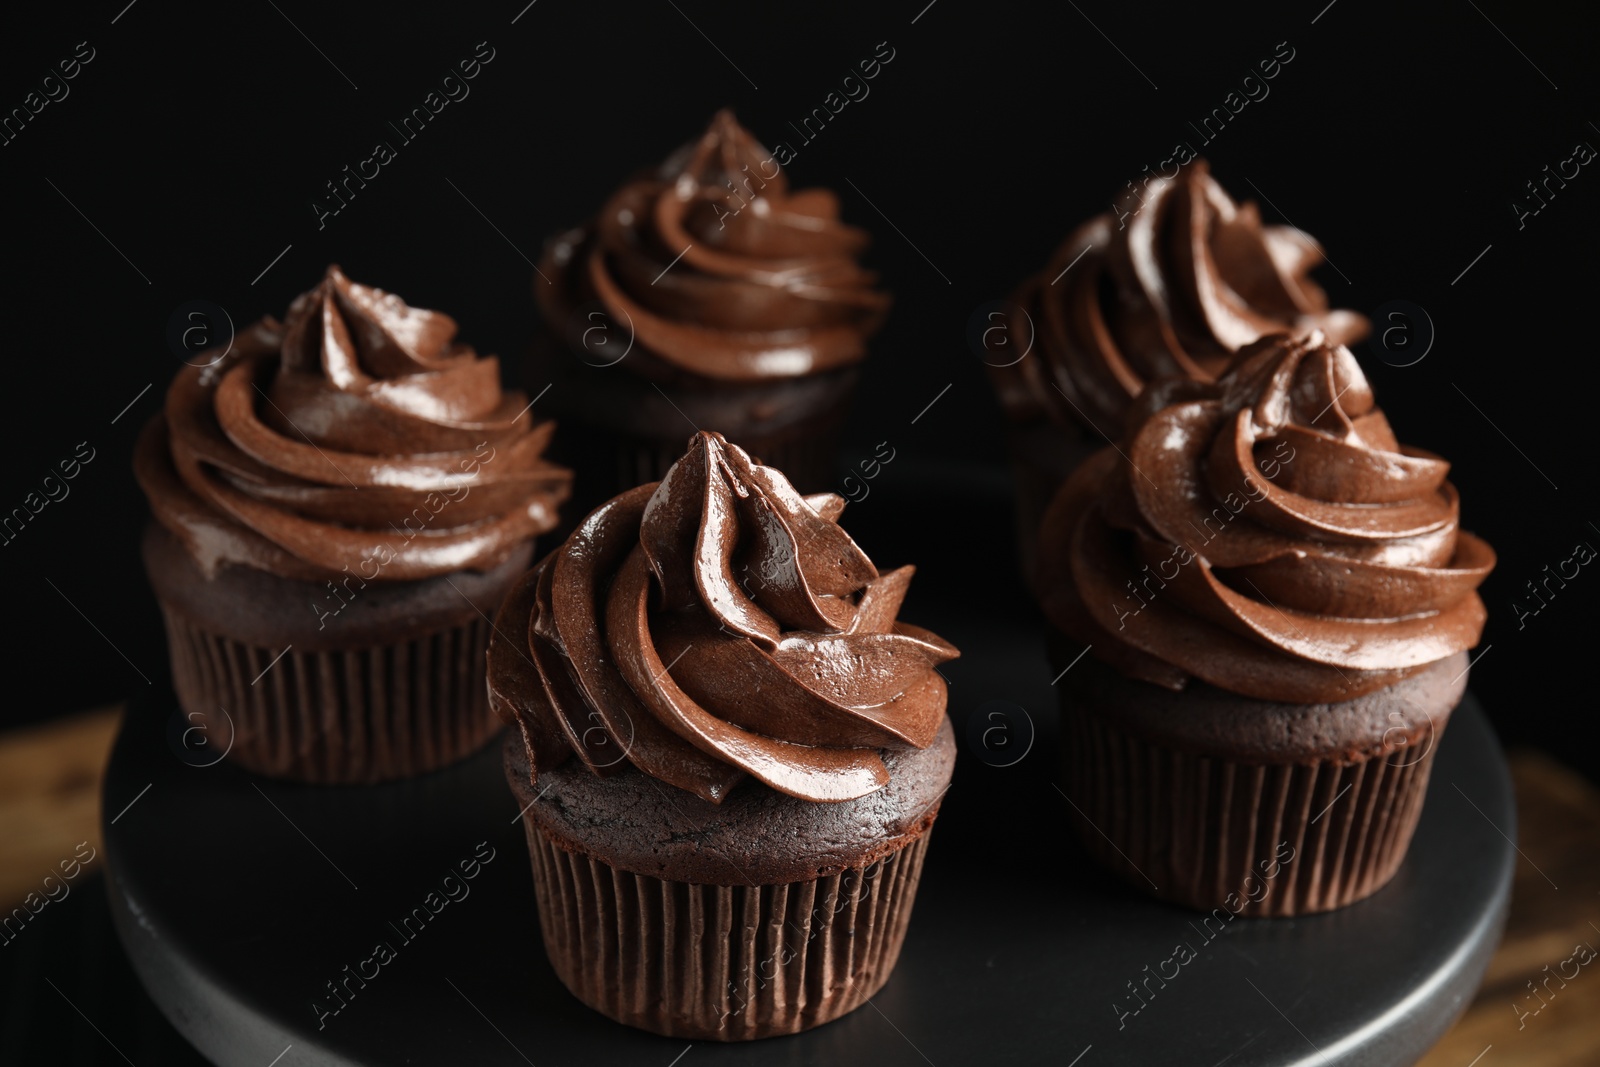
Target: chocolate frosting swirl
715	625
356	432
1267	534
1175	288
717	270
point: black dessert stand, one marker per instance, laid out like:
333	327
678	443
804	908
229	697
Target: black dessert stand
240	900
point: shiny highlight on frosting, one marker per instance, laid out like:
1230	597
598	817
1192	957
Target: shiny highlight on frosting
1265	533
355	437
713	626
717	270
1174	289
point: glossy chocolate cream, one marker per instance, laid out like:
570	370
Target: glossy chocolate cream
1265	533
1172	285
358	433
713	626
716	270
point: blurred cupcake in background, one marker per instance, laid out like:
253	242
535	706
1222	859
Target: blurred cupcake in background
705	295
1172	283
339	503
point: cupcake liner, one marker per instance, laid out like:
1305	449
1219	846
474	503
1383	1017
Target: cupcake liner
337	716
1214	833
723	963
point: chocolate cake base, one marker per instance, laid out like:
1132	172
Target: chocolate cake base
389	687
621	429
761	916
1218	801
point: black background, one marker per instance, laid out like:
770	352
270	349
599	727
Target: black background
197	138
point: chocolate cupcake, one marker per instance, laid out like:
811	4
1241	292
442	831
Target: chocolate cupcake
1170	286
705	295
340	501
1277	599
729	753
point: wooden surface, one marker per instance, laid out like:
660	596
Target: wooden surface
50	801
50	798
1555	905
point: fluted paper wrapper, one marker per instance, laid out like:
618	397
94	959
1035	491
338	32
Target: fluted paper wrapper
338	716
722	963
1202	831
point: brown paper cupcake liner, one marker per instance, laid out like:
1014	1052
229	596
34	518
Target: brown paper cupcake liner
1213	833
722	963
337	716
